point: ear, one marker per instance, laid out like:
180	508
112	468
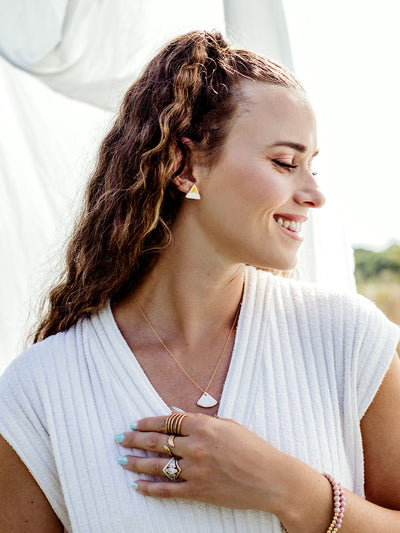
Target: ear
185	180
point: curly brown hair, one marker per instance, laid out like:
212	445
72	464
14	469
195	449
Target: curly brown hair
189	90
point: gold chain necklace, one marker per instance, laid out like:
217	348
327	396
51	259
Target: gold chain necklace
205	400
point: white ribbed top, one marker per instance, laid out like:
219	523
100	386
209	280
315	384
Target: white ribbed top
305	366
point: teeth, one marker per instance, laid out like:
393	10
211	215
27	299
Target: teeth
291	224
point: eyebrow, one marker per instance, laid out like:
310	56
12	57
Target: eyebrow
296	146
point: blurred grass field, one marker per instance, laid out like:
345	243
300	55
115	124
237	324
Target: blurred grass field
385	294
378	278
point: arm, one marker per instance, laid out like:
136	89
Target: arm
23	506
380	427
270	480
381	438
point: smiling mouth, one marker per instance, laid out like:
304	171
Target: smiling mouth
287	223
291	227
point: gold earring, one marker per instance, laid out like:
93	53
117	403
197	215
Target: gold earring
193	194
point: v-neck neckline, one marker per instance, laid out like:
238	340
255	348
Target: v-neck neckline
135	370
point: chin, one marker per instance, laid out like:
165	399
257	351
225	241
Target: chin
287	262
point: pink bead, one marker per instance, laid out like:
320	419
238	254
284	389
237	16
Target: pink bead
338	504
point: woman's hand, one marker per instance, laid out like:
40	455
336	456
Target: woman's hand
222	463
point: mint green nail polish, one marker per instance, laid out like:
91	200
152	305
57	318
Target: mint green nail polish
119	438
134	486
177	409
122	460
134	426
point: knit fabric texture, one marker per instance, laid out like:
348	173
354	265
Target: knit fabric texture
306	365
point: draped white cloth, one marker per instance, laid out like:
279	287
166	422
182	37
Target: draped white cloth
79	57
92	51
47	142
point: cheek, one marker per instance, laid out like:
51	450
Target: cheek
266	190
244	184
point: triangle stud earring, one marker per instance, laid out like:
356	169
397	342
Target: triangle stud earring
193	194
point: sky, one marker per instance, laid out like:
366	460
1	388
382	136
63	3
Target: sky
346	53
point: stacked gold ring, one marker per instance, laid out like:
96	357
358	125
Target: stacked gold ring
173	423
171	444
168	451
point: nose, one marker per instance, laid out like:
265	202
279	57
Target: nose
309	194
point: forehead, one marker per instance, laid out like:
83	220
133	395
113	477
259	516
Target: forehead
272	113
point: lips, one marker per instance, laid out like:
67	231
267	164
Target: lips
291	224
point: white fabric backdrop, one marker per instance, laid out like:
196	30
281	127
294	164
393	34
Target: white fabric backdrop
90	53
46	144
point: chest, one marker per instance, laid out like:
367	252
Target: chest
182	384
98	491
263	389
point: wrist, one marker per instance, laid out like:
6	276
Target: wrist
304	502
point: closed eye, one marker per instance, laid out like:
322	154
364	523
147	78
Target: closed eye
284	165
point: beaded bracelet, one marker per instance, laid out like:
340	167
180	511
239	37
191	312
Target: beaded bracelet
338	505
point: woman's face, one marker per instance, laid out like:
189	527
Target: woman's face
254	200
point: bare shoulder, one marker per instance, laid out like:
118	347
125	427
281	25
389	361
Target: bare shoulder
380	428
23	506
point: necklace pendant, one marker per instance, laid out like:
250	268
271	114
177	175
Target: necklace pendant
206	400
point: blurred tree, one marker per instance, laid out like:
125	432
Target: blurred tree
385	265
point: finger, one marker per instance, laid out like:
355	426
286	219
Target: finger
152	466
162	489
150	423
159	423
152	442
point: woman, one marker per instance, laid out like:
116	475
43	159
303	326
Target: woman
207	169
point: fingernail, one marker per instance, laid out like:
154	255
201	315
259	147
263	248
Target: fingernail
122	460
177	409
119	438
134	426
134	486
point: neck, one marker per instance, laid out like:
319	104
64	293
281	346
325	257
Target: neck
192	291
189	298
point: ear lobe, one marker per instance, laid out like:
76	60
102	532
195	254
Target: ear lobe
185	180
184	184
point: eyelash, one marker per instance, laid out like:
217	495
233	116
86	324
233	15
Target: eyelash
285	165
290	167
